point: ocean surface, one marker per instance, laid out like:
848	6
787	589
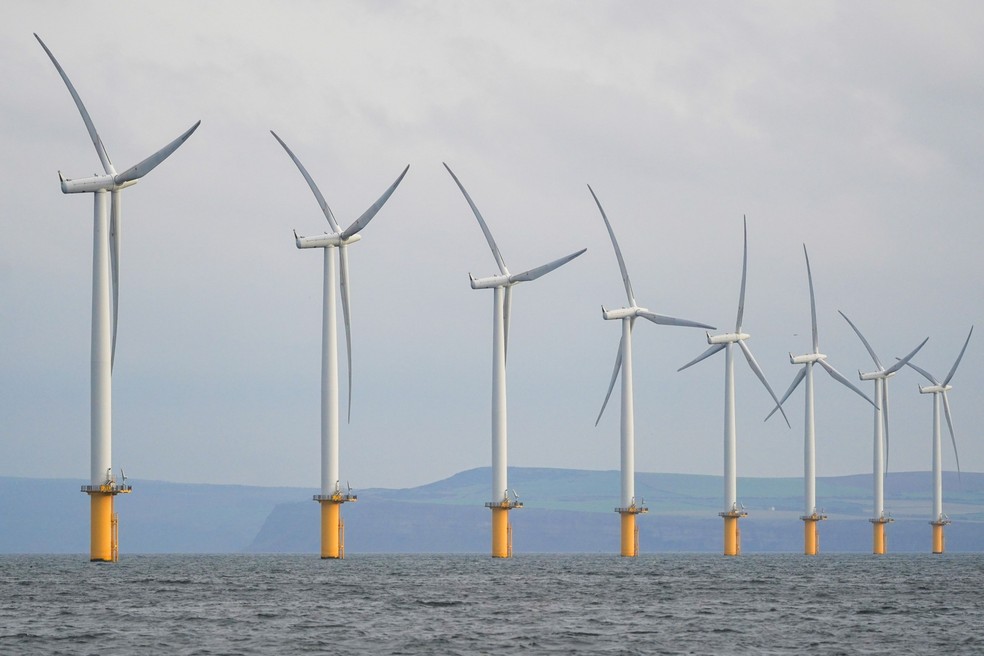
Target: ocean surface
471	604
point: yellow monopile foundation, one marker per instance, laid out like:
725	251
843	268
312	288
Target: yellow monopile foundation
811	540
811	536
630	541
938	543
332	526
501	533
630	533
103	525
101	547
732	540
879	541
501	528
732	534
878	538
331	538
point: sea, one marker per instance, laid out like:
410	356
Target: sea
473	604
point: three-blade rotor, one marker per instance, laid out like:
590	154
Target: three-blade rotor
882	373
505	279
941	388
720	342
816	357
339	239
632	311
112	182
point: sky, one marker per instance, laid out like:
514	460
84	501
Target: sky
852	128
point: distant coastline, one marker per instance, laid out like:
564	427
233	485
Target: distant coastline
567	510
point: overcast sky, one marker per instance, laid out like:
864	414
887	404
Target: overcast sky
855	128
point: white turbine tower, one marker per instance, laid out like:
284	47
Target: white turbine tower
105	311
629	507
811	516
879	453
938	390
502	285
332	496
732	512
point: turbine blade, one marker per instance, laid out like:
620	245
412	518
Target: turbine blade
949	424
506	305
346	309
871	351
836	375
761	376
611	385
744	272
533	274
314	188
714	348
925	373
366	217
115	221
800	375
481	222
953	369
664	320
813	303
618	251
904	361
143	168
96	141
884	405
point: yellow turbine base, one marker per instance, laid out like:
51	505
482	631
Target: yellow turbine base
630	537
101	527
879	545
938	538
332	545
501	533
732	537
811	537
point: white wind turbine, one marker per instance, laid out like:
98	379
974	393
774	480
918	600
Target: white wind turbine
331	496
880	438
105	312
732	512
938	390
811	516
502	285
629	506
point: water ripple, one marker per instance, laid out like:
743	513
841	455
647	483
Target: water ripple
454	604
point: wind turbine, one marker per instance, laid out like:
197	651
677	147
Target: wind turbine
732	512
105	311
938	390
331	496
629	508
880	439
811	542
502	285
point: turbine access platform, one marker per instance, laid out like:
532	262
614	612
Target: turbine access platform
332	526
630	532
104	533
501	527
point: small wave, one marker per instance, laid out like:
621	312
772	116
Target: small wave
439	603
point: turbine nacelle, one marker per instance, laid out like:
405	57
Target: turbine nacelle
935	389
875	375
92	184
327	240
727	338
809	358
622	313
490	282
